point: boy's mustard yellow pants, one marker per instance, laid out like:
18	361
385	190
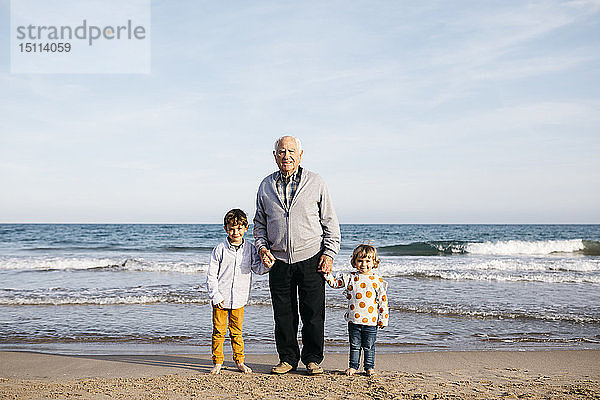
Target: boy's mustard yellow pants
235	319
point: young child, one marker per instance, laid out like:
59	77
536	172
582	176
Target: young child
228	279
367	306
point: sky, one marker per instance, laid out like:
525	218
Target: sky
412	112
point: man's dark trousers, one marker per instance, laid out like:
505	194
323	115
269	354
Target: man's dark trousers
298	286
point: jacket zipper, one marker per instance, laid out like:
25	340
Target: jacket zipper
289	236
287	218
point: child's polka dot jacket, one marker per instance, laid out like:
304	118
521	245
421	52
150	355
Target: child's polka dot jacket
367	298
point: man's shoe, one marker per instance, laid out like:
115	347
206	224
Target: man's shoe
314	369
282	368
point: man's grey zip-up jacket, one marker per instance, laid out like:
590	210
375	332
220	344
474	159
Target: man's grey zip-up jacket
229	274
308	227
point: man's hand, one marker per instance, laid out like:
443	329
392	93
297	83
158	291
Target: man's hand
266	257
221	305
325	264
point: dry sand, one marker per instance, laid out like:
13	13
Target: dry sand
433	375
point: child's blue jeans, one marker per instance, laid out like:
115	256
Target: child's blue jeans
362	337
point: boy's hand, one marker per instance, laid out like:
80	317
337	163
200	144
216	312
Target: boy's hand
266	257
325	264
221	305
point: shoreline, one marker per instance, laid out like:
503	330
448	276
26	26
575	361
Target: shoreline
554	374
254	347
120	348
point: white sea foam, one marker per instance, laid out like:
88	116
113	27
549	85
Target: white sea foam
90	263
516	278
171	266
485	268
116	300
496	314
54	263
511	247
409	265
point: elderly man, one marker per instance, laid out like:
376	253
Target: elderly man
295	227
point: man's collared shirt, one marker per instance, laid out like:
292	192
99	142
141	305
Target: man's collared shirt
286	188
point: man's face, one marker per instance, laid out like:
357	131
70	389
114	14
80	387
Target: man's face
287	156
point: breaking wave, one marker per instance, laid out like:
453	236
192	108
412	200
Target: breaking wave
122	249
508	247
45	264
493	268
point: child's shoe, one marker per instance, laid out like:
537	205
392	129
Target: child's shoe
371	372
350	371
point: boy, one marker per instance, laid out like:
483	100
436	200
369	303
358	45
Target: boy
228	279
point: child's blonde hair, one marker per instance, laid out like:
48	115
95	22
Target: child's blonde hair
364	251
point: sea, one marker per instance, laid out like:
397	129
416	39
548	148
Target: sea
121	288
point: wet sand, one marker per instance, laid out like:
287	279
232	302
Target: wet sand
569	374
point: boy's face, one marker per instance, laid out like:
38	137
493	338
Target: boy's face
364	265
236	233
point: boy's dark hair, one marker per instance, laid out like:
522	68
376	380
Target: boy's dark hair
235	217
364	251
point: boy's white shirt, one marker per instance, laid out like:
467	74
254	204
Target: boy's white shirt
229	275
378	300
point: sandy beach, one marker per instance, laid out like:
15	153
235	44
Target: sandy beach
569	374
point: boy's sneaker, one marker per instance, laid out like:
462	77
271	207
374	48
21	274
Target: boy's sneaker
314	369
282	368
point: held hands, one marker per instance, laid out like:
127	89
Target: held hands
325	264
266	257
380	325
